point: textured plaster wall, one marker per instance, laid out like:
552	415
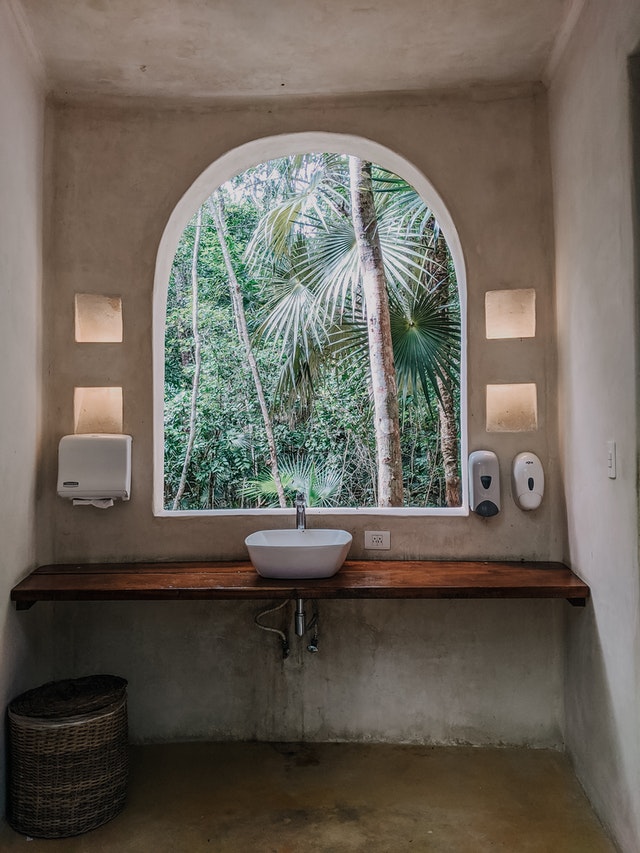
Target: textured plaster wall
21	155
597	341
480	672
473	671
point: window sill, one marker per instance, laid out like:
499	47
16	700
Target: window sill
356	579
398	512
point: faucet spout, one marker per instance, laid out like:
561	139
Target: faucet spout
301	516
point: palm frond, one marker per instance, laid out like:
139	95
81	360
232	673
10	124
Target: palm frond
426	344
317	311
278	229
319	481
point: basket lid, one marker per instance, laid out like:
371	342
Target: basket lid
71	697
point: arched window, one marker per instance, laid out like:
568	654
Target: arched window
309	326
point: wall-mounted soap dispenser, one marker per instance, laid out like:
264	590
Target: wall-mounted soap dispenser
527	480
95	468
484	483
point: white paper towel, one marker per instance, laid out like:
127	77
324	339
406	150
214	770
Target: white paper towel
101	503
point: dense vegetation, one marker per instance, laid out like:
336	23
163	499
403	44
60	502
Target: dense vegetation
282	234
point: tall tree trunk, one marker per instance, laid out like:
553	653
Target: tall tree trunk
197	361
446	408
449	445
383	375
181	331
215	208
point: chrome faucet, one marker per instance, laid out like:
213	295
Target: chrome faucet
301	517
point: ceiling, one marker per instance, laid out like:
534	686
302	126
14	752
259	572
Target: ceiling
266	48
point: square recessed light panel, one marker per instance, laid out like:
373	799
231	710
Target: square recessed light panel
98	319
97	410
512	407
510	313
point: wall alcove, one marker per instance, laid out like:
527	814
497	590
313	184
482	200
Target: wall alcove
239	160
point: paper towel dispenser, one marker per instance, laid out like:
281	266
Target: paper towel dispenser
94	467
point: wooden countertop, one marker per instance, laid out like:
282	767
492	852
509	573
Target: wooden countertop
356	579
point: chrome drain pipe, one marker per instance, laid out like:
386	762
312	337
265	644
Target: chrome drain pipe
301	619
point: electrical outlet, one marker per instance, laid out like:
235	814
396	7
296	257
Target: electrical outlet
377	539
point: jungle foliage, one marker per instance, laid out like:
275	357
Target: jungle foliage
290	240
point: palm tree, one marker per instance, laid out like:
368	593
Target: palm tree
376	303
347	259
412	212
446	405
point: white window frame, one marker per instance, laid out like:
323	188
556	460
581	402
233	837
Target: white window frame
235	162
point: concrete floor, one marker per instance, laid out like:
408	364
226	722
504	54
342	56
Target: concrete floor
316	798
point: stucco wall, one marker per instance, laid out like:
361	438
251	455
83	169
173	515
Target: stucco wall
21	154
597	341
117	175
483	672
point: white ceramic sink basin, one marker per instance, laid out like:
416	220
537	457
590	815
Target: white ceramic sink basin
311	553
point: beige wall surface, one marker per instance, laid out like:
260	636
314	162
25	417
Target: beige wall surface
597	341
21	156
434	672
117	175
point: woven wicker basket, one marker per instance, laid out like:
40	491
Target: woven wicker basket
68	756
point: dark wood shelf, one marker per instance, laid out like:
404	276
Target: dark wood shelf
356	579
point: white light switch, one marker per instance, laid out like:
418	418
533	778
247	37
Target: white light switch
611	459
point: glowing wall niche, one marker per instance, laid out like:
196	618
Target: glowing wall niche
510	313
97	410
512	407
98	319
